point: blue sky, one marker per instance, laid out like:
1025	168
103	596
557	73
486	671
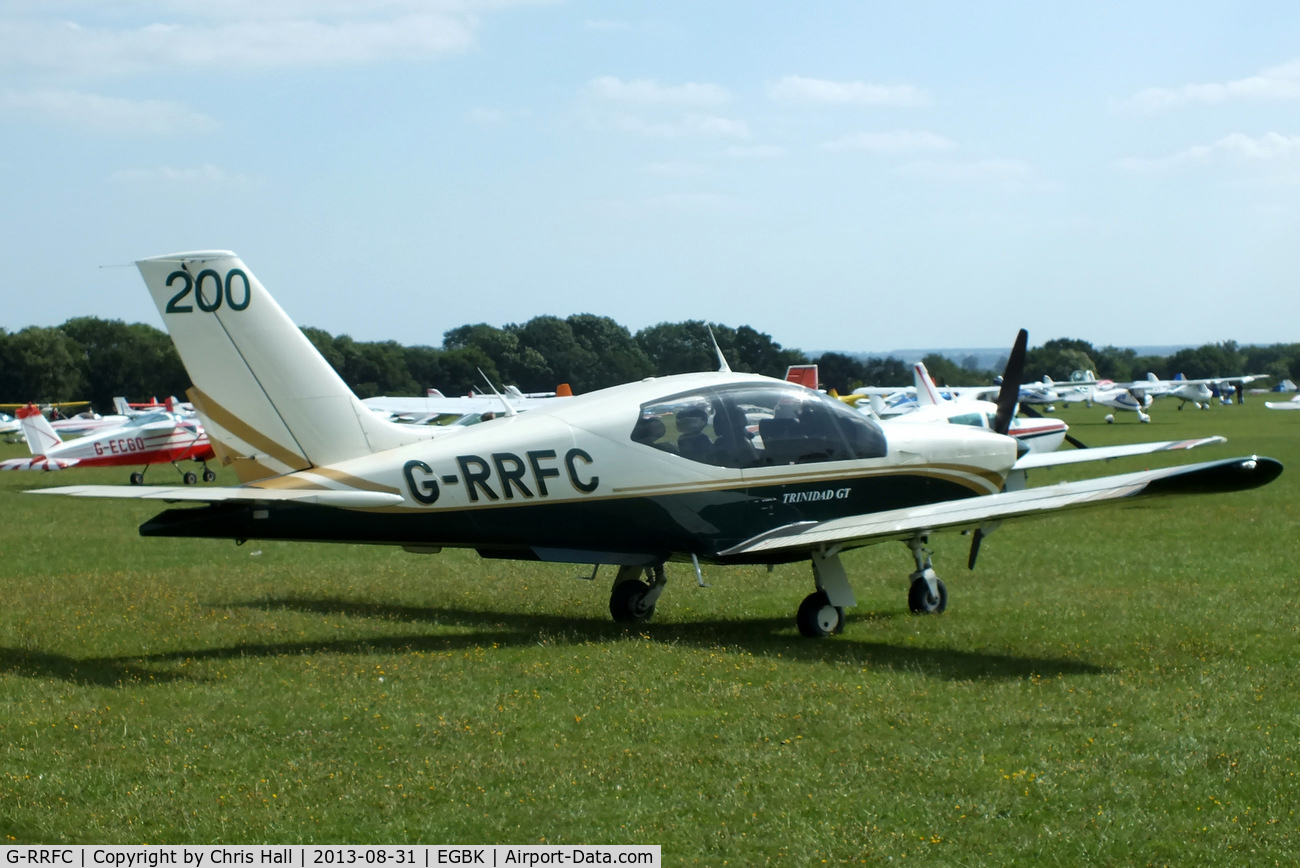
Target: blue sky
841	175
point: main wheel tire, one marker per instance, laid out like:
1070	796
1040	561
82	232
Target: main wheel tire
817	618
209	475
189	478
922	602
627	602
137	478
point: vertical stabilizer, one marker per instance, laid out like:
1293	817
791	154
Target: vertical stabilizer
270	402
926	393
37	430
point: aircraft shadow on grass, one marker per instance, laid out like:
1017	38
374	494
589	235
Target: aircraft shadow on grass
88	672
758	636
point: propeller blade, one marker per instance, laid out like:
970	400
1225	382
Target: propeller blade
1009	394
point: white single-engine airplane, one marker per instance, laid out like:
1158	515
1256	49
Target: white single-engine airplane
1038	434
720	467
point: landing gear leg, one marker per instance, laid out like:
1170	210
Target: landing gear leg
927	595
633	599
821	614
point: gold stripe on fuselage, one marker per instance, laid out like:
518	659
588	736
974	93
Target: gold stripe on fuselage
976	479
225	419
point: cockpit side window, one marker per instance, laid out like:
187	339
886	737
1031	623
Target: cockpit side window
758	426
682	425
975	420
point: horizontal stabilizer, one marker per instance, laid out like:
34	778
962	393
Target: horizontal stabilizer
1232	474
344	499
37	462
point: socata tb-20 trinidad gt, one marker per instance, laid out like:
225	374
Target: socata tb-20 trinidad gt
719	468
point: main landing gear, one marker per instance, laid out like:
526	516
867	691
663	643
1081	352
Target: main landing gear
188	477
821	613
633	599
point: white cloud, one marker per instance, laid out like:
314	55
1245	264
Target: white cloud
1279	83
106	113
210	39
690	126
206	175
646	91
894	142
815	91
1270	148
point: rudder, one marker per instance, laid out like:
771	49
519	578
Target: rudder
270	402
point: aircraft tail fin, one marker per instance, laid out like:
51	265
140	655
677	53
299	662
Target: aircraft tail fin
927	394
269	401
804	375
37	430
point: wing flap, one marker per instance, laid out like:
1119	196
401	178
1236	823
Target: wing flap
1233	474
345	499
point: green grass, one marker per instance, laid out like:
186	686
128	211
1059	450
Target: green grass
1113	687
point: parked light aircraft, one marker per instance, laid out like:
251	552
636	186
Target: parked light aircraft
150	438
1138	395
1048	393
1038	434
123	407
717	467
437	408
85	422
1293	404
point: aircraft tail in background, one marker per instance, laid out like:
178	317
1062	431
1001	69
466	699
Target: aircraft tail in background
927	394
37	430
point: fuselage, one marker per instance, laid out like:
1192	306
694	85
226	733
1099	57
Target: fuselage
146	439
665	468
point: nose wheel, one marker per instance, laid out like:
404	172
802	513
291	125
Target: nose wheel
927	594
924	600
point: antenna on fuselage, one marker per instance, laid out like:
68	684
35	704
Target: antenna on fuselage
510	411
723	367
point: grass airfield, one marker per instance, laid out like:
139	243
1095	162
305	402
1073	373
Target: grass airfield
1112	687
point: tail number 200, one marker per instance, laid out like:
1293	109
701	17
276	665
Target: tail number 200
216	292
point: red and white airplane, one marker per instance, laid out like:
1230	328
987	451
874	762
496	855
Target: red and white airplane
150	438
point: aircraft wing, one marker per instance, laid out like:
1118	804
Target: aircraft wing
883	392
1232	474
1034	460
345	498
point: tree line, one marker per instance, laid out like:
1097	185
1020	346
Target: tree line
93	359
